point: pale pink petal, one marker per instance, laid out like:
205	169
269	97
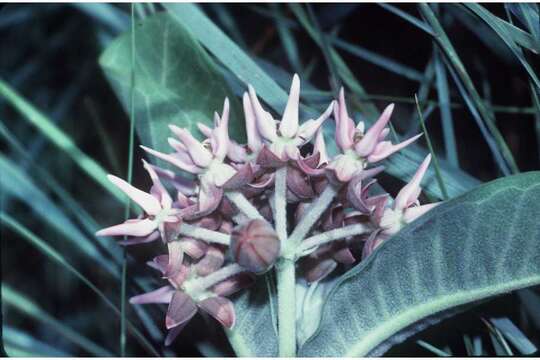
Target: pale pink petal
204	129
415	212
320	147
221	309
177	145
163	295
173	160
181	310
234	284
366	146
149	203
199	154
175	259
344	124
136	228
194	248
173	334
289	123
385	148
220	135
310	127
163	194
409	193
210	262
265	123
253	137
140	240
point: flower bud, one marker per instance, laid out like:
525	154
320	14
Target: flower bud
255	245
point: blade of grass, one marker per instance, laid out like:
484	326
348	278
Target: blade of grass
59	139
54	255
508	38
228	21
511	332
376	59
446	113
287	40
15	183
448	49
105	13
19	343
430	147
423	94
407	17
20	302
432	348
536	102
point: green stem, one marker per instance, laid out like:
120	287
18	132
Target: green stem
243	204
312	243
286	282
280	205
204	234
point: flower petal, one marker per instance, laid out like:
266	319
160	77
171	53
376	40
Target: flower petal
140	240
366	146
210	262
289	123
159	189
181	309
221	309
138	228
385	148
234	284
163	295
191	168
409	193
265	122
253	138
199	154
149	203
173	333
310	127
175	259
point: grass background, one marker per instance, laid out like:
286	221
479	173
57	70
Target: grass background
482	117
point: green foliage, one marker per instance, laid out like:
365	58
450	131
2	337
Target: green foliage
467	249
176	82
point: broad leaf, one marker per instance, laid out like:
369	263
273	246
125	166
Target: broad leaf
479	245
175	81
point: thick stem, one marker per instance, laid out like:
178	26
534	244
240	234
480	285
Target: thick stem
280	204
313	214
310	244
244	205
286	290
204	234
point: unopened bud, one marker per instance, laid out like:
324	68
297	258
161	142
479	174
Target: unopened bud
255	245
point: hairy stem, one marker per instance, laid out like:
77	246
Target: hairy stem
280	205
205	234
244	205
286	290
310	244
313	214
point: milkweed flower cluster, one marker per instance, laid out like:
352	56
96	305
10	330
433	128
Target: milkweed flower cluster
228	222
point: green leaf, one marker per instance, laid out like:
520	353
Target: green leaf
20	344
474	247
176	82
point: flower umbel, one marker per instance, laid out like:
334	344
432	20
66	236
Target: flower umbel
227	221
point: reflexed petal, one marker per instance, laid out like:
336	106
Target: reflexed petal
193	247
163	295
181	310
173	333
234	284
170	229
209	196
221	309
289	123
175	259
297	184
410	192
220	135
253	137
136	228
140	240
212	261
243	176
318	269
385	148
149	203
366	146
344	256
159	263
267	158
